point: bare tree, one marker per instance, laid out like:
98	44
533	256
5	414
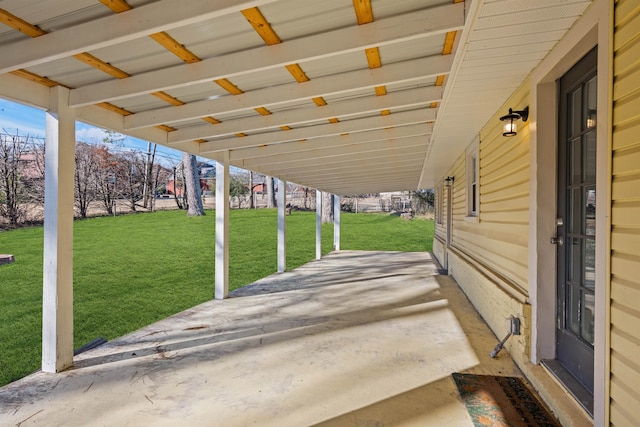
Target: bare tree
133	177
106	179
32	165
192	184
159	174
13	191
85	173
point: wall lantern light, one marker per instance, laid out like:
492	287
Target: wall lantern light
448	181
510	126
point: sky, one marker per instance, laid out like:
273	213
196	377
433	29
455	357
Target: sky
23	120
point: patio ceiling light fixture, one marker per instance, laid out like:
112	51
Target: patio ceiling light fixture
448	181
510	126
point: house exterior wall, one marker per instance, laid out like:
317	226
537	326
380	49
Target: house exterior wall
625	218
488	256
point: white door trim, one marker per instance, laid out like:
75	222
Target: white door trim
594	28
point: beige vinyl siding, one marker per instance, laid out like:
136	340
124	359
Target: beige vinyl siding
625	218
498	240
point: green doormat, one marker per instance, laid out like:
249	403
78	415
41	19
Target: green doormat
501	401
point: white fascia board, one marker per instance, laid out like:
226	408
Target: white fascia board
301	116
114	29
294	92
472	17
415	25
23	91
102	118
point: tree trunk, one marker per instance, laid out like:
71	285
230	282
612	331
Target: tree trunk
148	190
327	207
192	184
271	193
175	189
251	201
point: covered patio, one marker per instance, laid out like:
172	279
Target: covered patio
354	338
346	97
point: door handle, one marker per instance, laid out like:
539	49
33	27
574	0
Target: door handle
557	241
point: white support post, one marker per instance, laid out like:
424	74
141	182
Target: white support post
222	228
336	222
318	224
282	232
57	296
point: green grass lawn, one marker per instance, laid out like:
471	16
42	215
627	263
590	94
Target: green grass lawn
132	270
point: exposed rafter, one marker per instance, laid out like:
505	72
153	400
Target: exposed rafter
342	155
162	15
383	32
345	109
358	125
363	10
396	133
372	88
169	43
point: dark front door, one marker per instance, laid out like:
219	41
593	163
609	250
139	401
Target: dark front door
576	239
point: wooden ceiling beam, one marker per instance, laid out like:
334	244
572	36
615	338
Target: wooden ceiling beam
382	32
84	57
293	92
168	98
228	86
346	173
101	65
406	146
304	116
117	6
20	24
169	43
420	130
373	57
329	129
162	15
364	13
114	108
347	169
28	75
261	26
298	74
264	29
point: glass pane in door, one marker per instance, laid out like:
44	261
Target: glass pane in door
576	278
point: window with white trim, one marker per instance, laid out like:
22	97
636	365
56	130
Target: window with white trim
473	179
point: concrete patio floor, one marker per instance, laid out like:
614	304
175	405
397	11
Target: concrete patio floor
354	339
